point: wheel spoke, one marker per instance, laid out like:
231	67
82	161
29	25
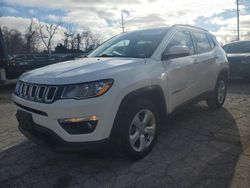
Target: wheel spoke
142	130
146	118
150	130
137	122
134	137
142	143
221	92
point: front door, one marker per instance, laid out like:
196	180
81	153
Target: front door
181	70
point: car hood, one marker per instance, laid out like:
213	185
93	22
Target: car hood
80	70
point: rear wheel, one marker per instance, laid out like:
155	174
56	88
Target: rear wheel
2	82
138	129
218	96
246	78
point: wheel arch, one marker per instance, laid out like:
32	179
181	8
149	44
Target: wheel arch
153	93
224	72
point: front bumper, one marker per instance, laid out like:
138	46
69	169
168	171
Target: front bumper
47	115
47	138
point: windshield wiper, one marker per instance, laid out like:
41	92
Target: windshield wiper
105	55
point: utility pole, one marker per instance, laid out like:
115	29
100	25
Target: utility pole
238	20
122	22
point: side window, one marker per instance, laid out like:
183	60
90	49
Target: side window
201	42
181	39
211	41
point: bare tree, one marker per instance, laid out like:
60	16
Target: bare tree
66	39
90	40
13	40
31	37
46	33
78	41
77	38
86	39
96	40
228	38
69	33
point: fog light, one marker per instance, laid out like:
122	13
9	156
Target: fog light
79	125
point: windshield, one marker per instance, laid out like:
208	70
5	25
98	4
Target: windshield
138	44
239	47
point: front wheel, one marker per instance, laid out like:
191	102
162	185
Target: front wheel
138	129
218	96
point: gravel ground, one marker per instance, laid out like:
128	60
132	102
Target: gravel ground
196	148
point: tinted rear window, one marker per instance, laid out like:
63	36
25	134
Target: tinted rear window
239	47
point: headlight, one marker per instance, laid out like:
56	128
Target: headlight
87	90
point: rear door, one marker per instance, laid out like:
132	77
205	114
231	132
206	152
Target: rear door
181	74
205	60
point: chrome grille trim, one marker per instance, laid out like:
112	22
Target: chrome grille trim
40	92
53	95
21	89
34	87
17	87
30	90
36	92
24	90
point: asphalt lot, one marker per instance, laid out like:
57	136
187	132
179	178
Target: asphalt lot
196	148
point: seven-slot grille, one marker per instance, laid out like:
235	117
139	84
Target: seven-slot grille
36	92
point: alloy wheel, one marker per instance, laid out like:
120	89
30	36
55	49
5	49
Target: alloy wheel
221	91
142	130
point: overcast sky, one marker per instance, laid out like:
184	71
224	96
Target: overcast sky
104	16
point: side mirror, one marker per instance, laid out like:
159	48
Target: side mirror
175	52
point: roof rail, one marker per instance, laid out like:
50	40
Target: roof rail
186	25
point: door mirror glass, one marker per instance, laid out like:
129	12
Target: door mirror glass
176	51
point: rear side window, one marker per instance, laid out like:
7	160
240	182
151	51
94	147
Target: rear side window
239	47
201	42
211	41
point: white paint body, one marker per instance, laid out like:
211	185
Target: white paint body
181	79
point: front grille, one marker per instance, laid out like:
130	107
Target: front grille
37	92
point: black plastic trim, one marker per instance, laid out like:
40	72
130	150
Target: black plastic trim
79	127
145	92
31	109
49	139
192	101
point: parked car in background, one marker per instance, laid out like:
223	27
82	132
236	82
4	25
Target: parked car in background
238	55
121	92
12	66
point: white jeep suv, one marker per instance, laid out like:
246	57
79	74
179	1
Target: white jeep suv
120	93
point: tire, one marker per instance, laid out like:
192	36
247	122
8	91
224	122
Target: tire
2	82
247	78
136	139
217	98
